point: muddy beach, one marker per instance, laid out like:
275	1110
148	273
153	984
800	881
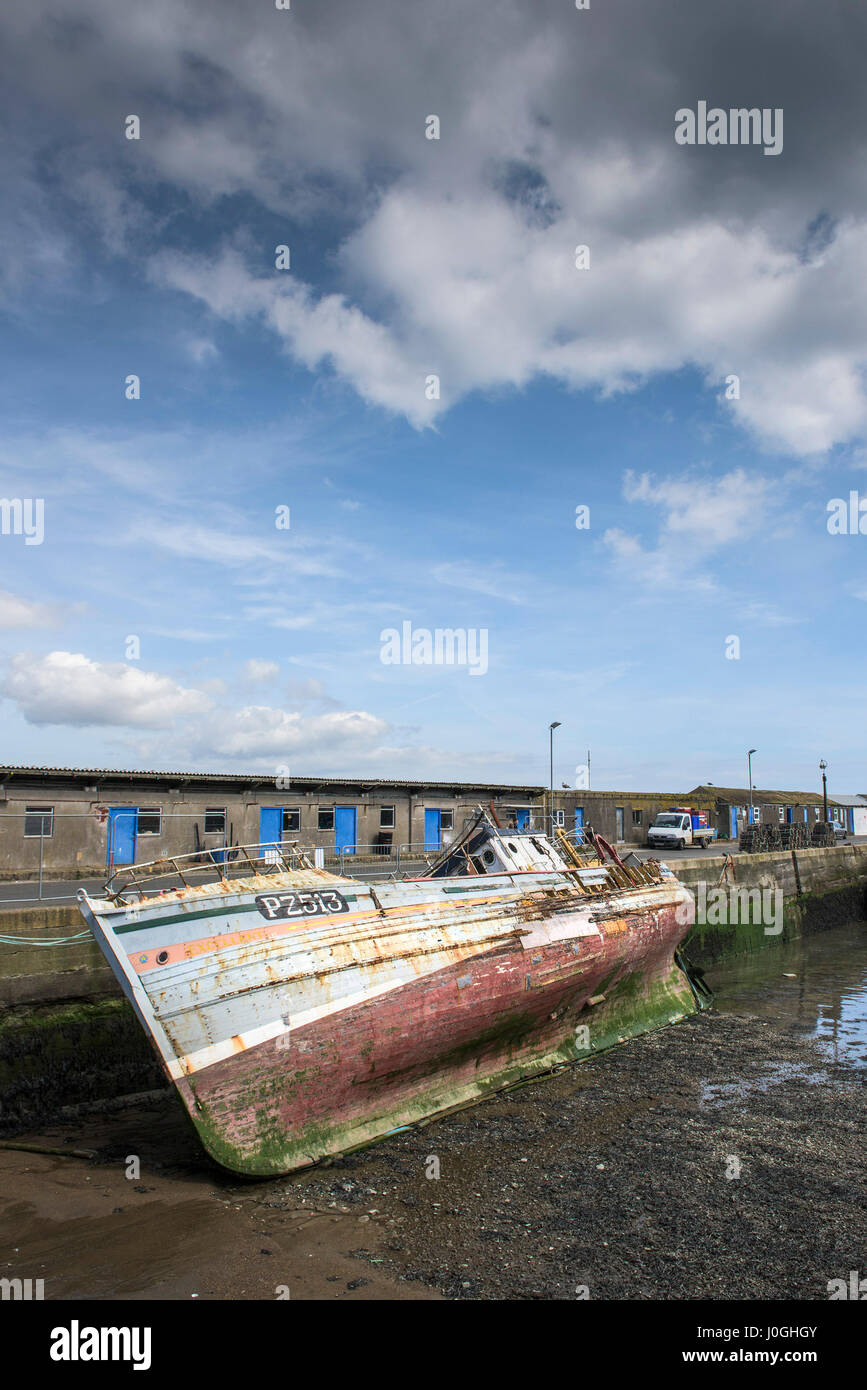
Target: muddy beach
721	1158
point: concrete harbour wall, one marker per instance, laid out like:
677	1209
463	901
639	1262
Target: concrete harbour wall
821	888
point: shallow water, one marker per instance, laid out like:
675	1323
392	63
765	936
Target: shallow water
816	987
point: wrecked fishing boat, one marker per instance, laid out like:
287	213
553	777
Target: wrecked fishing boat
302	1014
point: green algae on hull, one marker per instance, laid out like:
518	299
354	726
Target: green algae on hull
632	1006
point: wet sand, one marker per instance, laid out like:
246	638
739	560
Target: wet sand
182	1230
609	1177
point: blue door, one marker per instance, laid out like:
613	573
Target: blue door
121	835
522	820
733	822
431	827
790	815
344	829
579	821
271	826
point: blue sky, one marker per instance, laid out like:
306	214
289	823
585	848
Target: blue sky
259	647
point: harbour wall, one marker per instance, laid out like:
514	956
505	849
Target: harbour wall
68	1035
818	888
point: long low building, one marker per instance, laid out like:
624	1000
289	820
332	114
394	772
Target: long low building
624	817
735	808
80	820
83	819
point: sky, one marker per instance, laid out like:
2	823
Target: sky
610	469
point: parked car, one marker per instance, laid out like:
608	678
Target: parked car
827	833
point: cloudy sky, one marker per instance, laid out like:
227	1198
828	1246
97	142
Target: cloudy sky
166	620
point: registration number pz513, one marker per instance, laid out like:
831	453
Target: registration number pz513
279	907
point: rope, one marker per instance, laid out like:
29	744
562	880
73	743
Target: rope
43	941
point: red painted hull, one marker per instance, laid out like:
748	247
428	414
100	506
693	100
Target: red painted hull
442	1040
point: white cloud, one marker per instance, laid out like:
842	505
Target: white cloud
704	512
699	516
21	612
202	350
68	688
492	580
232	549
259	672
260	733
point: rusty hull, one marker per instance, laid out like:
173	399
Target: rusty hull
292	1041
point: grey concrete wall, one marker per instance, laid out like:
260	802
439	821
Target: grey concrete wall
821	888
78	844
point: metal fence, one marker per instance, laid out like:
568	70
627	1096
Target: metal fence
56	853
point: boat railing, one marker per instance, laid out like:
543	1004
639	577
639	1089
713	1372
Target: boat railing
208	866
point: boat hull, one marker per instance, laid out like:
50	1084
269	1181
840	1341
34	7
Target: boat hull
315	1038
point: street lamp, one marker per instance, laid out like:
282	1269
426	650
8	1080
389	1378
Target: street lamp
551	728
822	767
750	778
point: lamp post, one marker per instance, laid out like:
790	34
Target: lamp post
822	766
551	728
750	779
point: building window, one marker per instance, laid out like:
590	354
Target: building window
150	820
291	820
636	817
326	818
447	820
386	817
559	817
39	821
215	820
782	814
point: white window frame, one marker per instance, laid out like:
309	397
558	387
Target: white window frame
149	811
215	811
45	813
288	829
383	812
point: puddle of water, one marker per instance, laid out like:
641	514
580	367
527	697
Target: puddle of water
816	987
776	1073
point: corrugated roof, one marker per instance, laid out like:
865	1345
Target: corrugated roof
104	773
761	796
